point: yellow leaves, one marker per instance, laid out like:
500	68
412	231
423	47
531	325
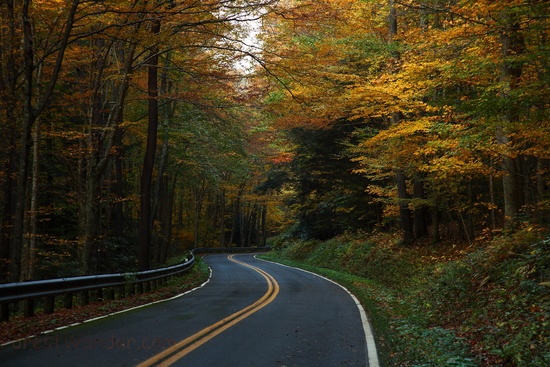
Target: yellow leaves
442	152
399	131
453	167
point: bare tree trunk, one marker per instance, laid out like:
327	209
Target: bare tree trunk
234	220
542	213
7	215
404	211
34	204
25	143
8	95
198	196
144	235
512	46
118	188
167	220
251	225
264	225
222	218
29	116
492	200
436	235
392	19
420	213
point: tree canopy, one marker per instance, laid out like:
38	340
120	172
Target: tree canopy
134	130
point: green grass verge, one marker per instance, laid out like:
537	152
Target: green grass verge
448	305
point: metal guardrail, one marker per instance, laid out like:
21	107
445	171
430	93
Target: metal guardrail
222	250
125	283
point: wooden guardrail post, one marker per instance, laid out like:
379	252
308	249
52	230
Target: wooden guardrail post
84	298
68	301
49	305
28	307
5	312
21	296
122	291
99	294
110	293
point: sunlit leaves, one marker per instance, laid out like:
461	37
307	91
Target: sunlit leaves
433	95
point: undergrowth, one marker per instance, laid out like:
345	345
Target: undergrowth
484	304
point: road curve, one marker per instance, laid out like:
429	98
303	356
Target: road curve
251	313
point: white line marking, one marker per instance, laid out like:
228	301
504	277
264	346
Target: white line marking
109	315
372	354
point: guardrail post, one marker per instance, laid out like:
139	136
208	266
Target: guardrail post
122	291
28	307
49	305
18	297
110	293
68	302
5	312
84	298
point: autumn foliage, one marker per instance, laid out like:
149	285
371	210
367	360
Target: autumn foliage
123	123
449	101
166	123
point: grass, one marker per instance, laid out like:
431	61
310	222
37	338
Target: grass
484	304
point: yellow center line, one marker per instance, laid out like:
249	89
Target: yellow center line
181	349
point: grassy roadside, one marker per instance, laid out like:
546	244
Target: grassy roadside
484	304
22	327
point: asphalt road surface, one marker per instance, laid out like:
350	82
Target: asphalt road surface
251	313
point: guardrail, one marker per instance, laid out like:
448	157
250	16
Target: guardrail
105	286
223	250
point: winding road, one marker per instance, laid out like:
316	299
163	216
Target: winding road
250	313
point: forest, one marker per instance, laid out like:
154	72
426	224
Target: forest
134	130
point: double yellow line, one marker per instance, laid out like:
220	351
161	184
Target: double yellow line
186	346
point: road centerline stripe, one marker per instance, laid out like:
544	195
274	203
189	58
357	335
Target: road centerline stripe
184	347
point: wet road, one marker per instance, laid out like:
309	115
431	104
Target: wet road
250	313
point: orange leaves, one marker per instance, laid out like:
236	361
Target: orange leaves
398	133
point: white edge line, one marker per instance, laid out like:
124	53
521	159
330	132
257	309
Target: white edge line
372	354
109	315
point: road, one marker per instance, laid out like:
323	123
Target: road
250	313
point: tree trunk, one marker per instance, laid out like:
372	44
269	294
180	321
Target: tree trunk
118	188
7	216
420	212
493	204
543	213
404	211
144	235
167	220
222	218
264	225
199	193
512	46
24	148
29	114
436	235
33	226
161	184
8	96
392	20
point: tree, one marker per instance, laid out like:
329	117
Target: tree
32	105
82	77
435	92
